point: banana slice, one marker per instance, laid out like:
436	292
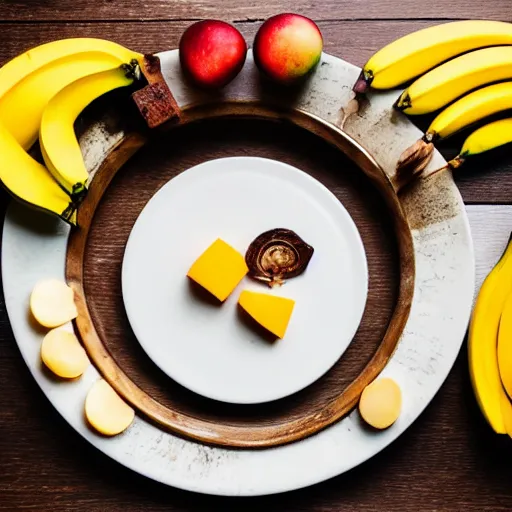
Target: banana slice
381	402
62	353
106	411
52	303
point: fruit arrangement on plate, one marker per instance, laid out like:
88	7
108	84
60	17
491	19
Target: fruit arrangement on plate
452	68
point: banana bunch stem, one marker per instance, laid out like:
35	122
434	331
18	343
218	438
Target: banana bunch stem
43	91
363	83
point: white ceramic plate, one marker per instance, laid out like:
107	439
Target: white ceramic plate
34	247
205	346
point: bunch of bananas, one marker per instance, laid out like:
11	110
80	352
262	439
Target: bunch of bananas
463	67
451	60
42	92
490	346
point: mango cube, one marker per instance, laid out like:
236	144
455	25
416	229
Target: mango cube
271	312
219	269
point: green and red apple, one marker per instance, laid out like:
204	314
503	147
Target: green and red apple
287	47
212	53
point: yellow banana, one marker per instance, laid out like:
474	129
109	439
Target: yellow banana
482	346
18	68
21	108
414	160
505	346
30	182
38	74
456	77
468	110
27	82
416	53
59	145
506	410
490	136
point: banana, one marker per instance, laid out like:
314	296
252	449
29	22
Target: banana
34	59
470	109
27	82
22	105
59	145
490	136
454	118
505	346
482	345
456	77
30	182
21	108
506	410
416	53
414	160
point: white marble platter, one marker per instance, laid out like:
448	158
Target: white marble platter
34	247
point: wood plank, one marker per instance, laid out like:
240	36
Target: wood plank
487	180
351	40
490	228
234	10
448	460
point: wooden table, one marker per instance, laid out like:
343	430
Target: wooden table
449	460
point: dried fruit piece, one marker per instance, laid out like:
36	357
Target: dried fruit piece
155	101
277	255
62	353
381	402
106	411
219	269
413	161
271	312
52	303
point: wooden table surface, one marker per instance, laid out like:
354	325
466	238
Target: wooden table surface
449	460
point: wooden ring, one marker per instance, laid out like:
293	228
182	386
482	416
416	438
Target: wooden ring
207	431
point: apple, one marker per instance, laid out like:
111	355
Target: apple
287	47
212	53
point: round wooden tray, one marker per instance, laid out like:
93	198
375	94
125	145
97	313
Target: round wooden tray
208	431
417	349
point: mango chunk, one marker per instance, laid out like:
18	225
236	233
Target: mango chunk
380	403
106	411
219	269
271	312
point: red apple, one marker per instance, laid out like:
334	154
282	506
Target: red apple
287	47
212	53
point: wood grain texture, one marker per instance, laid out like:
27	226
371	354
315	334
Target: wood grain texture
491	226
488	179
353	41
280	429
448	461
185	148
234	10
